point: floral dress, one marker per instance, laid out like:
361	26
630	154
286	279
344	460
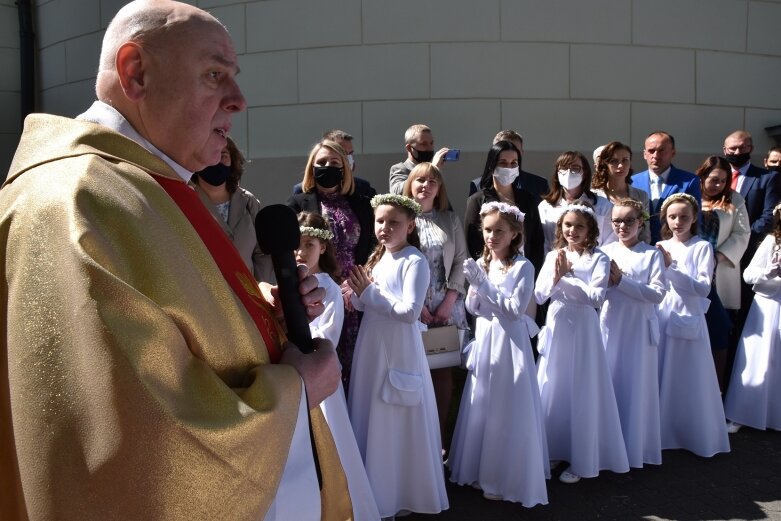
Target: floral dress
344	225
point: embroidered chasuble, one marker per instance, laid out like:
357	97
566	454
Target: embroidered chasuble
136	377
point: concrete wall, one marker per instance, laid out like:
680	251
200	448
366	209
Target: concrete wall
568	74
10	80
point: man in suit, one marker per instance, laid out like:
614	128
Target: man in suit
345	140
533	183
662	179
419	144
762	191
773	159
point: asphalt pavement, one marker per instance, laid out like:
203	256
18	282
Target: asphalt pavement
743	484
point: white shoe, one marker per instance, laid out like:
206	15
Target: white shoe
733	427
492	497
568	477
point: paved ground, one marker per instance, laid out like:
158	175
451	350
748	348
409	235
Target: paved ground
744	484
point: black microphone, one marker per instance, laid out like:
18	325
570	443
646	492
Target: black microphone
276	228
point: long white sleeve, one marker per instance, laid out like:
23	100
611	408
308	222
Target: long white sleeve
654	289
407	308
493	302
700	283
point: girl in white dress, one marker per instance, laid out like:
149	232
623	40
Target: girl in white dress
499	441
630	331
391	399
691	412
754	393
317	252
571	184
581	417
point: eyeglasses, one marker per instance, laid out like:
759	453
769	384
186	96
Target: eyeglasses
618	222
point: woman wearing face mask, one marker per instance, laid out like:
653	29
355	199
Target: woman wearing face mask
234	208
613	177
570	183
498	183
329	190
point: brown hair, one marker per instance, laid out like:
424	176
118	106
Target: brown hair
308	184
328	263
592	237
711	163
563	161
236	168
777	225
678	198
628	202
515	244
413	239
602	173
441	202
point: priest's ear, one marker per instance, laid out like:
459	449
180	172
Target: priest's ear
131	69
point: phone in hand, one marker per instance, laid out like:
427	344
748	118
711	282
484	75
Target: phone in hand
453	154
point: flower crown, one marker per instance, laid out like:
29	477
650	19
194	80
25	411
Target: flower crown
396	200
504	208
317	233
680	196
580	208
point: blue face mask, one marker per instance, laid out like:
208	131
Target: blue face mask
215	175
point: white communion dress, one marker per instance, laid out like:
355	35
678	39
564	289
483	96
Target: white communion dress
499	441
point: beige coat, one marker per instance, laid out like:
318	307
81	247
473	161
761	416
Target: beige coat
454	251
734	233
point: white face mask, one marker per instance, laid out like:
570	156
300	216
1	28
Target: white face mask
569	179
351	161
505	176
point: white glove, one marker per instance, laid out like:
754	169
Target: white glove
474	273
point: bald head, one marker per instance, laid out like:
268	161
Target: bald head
170	69
147	23
739	135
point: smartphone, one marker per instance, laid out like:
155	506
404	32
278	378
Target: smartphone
453	154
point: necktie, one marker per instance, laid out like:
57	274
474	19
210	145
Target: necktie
735	175
656	188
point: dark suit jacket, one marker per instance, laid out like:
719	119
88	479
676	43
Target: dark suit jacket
309	202
362	187
531	182
678	181
762	192
532	227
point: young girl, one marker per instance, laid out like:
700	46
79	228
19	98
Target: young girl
691	413
755	386
391	399
499	441
317	252
581	417
630	331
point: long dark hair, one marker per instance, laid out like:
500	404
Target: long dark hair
711	163
602	173
563	161
487	179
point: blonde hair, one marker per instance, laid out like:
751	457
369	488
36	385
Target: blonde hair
678	198
413	132
516	243
308	184
441	202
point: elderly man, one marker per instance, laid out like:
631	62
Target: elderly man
138	354
662	179
419	145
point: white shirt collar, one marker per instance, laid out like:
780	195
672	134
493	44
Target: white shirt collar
106	115
663	175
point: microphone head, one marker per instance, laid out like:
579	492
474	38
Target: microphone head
276	228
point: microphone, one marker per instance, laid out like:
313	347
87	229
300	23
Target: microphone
276	228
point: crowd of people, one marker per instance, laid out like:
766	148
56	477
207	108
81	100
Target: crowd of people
600	312
602	316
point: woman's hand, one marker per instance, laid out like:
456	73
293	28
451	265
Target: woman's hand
358	280
722	259
425	316
445	308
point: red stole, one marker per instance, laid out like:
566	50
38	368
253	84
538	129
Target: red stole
224	253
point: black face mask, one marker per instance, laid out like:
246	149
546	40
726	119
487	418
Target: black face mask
738	159
423	156
328	176
215	175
